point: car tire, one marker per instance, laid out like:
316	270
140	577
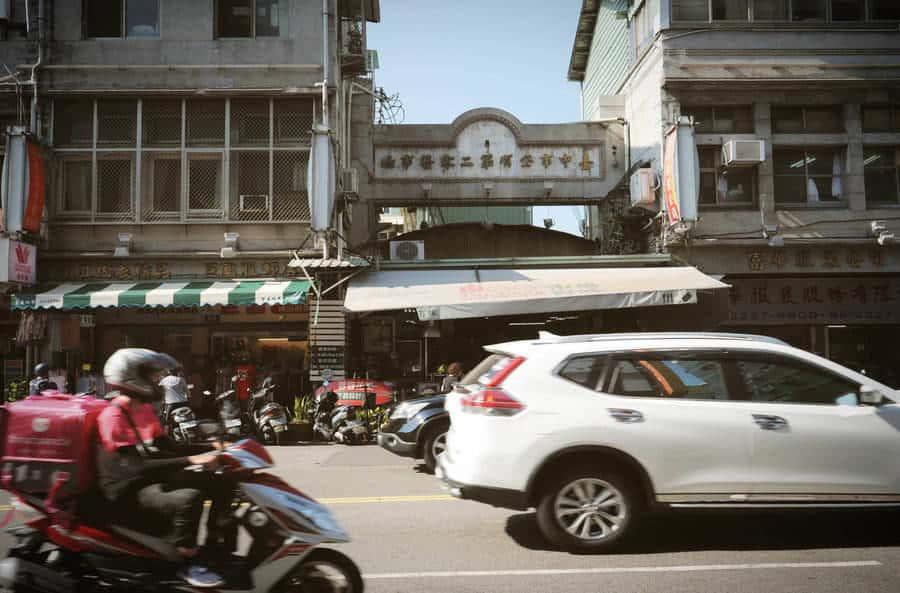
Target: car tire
588	509
435	440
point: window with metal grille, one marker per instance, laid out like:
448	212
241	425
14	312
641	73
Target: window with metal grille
250	186
73	122
817	119
884	10
881	118
882	167
250	122
784	10
809	175
730	10
289	199
162	196
204	184
294	119
115	176
161	122
75	182
206	122
116	122
730	119
121	18
247	18
735	186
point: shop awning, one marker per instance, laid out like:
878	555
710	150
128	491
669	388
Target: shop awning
456	294
164	294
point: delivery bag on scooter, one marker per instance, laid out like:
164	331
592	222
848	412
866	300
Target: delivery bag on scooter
47	434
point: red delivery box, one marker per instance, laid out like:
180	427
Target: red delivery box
45	434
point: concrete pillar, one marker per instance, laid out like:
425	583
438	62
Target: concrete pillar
762	115
854	175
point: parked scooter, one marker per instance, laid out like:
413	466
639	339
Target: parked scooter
268	416
64	550
232	417
180	422
341	424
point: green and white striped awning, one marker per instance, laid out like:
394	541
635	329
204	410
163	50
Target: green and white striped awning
164	294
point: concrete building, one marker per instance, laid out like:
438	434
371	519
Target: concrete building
804	231
177	139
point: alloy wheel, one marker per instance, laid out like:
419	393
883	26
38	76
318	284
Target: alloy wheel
439	445
320	577
590	509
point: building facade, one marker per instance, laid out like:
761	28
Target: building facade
177	137
803	232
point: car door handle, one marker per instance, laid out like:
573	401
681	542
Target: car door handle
767	422
627	416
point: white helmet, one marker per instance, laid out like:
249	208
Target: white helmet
132	371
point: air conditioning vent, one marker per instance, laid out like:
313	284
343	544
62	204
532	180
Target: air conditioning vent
254	203
743	153
407	250
643	185
350	181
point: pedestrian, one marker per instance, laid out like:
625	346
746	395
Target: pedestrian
454	376
41	381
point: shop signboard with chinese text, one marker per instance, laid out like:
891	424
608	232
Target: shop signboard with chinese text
21	262
814	300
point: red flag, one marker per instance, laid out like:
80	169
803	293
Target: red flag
34	208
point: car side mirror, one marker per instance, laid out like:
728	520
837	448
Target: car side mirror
870	396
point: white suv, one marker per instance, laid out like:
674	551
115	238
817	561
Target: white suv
593	430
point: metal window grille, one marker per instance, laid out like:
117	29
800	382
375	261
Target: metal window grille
161	194
115	187
289	200
250	200
206	122
116	122
162	123
250	122
75	183
205	186
293	121
73	123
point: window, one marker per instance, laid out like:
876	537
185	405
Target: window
76	186
114	186
881	118
247	18
770	10
642	25
116	122
73	122
884	10
736	119
205	182
690	10
729	10
808	10
808	175
794	382
812	120
848	10
735	186
121	18
683	378
584	370
165	175
882	168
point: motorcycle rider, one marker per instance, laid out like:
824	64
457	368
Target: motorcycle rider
41	381
140	469
175	390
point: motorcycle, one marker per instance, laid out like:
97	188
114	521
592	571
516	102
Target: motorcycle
59	551
233	420
268	416
180	422
341	424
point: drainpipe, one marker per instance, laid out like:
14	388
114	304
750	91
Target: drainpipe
40	59
325	51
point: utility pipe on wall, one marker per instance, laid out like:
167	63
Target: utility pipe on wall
35	120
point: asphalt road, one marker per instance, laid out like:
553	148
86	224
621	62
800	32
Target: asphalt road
409	536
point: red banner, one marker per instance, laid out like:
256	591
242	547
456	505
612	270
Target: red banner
34	207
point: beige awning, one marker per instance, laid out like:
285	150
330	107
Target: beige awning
456	294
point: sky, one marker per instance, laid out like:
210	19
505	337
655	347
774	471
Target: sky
446	57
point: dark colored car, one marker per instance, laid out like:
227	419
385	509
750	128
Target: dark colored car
417	428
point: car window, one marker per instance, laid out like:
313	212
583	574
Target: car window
686	378
795	382
584	370
481	369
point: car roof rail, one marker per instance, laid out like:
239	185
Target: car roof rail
545	337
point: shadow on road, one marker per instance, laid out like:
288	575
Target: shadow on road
686	532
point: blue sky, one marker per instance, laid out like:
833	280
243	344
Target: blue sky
446	57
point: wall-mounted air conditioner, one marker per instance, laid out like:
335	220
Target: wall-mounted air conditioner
407	250
643	185
254	203
743	153
350	181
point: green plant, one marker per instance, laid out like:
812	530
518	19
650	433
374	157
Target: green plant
303	408
16	390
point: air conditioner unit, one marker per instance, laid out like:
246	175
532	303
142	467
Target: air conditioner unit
254	203
350	181
743	153
371	60
407	250
643	185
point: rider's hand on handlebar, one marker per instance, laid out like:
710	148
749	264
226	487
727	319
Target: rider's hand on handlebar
207	460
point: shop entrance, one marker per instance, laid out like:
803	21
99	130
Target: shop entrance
868	349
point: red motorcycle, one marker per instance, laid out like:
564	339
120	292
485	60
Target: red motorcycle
46	445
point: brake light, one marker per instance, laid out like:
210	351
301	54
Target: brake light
500	371
491	401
